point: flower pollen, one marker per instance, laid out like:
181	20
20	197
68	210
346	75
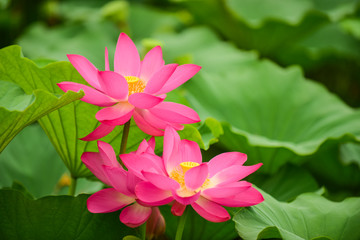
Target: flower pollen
136	85
178	174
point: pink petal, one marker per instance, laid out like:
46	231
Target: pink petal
225	160
107	154
145	126
152	62
171	152
91	96
132	181
234	173
175	113
146	147
152	143
182	74
118	179
107	200
158	79
142	147
190	151
135	215
118	114
86	69
210	210
156	161
138	163
228	190
101	131
126	60
185	199
145	100
246	198
161	181
196	176
114	85
93	161
157	122
148	122
107	67
152	195
177	209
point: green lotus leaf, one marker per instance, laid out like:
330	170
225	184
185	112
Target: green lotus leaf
55	217
81	38
309	216
284	185
201	46
272	113
206	134
350	153
327	46
352	25
341	179
248	23
21	101
30	159
39	170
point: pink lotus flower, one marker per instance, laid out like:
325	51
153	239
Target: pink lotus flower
135	88
180	175
122	194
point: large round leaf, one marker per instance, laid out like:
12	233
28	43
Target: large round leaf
310	216
38	170
272	113
287	183
18	108
55	217
341	179
32	160
268	25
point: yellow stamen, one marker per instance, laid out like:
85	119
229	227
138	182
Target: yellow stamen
186	166
178	174
136	85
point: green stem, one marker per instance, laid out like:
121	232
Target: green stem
124	139
181	225
143	231
72	186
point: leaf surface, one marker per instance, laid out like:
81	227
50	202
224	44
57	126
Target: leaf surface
309	216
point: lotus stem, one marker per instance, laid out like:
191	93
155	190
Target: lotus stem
181	225
72	187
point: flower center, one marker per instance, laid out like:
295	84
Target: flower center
178	174
136	85
186	166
